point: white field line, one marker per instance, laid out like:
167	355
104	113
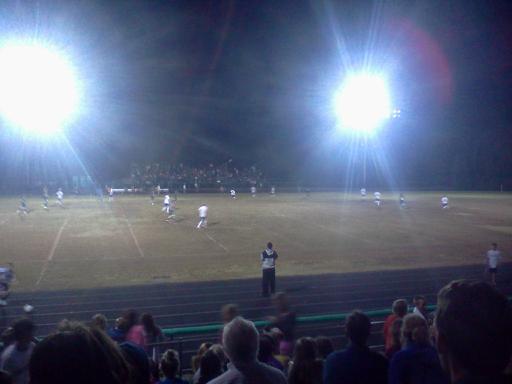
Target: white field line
217	242
52	252
141	252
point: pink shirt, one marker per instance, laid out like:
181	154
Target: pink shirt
136	335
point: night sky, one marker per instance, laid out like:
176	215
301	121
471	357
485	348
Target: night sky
205	81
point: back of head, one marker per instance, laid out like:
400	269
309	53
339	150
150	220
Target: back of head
170	363
305	350
281	301
269	245
148	322
266	348
324	346
138	361
241	341
99	321
211	366
229	312
358	328
82	355
474	321
399	307
131	318
23	330
415	329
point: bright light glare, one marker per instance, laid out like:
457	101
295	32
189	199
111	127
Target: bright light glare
38	89
363	103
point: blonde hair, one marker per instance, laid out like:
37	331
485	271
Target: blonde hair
415	329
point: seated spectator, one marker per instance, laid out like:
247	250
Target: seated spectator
16	356
399	310
241	341
80	355
152	334
196	359
356	364
285	321
420	307
324	347
134	330
210	367
118	332
170	367
396	335
305	368
265	353
100	322
277	337
5	378
218	350
417	362
138	361
473	332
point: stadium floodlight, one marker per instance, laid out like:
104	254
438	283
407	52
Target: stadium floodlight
362	103
39	92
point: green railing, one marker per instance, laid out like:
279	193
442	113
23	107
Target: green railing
314	319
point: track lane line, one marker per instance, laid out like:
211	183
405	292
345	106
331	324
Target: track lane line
52	252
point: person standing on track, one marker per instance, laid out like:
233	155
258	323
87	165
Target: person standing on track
493	256
268	268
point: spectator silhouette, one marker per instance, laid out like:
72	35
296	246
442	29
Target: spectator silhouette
305	368
15	357
170	367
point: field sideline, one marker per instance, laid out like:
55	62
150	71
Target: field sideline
126	242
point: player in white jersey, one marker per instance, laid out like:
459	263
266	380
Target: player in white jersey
232	193
167	201
184	188
111	194
493	257
22	208
402	201
376	198
60	197
363	193
203	216
273	191
172	210
253	191
444	202
152	196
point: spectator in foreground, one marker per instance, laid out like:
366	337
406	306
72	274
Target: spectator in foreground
118	332
152	334
417	362
5	378
134	330
227	313
99	321
196	359
356	364
285	321
396	335
170	367
277	336
210	367
399	309
137	359
305	368
15	357
80	355
266	352
324	347
420	307
241	342
473	332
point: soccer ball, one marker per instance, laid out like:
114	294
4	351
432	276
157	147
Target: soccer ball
27	308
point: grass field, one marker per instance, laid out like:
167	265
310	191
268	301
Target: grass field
127	242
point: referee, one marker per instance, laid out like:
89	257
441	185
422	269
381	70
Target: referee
268	268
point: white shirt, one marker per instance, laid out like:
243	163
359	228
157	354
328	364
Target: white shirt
166	199
203	211
444	200
363	191
492	257
253	189
60	195
377	195
273	190
233	192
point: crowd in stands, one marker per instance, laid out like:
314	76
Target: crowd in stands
223	176
467	340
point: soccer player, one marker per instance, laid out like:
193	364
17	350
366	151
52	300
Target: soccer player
111	194
363	193
253	191
232	193
402	201
172	210
152	196
273	191
45	197
167	201
493	256
203	216
444	202
184	188
60	197
376	198
22	209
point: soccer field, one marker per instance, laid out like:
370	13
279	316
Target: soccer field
126	242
